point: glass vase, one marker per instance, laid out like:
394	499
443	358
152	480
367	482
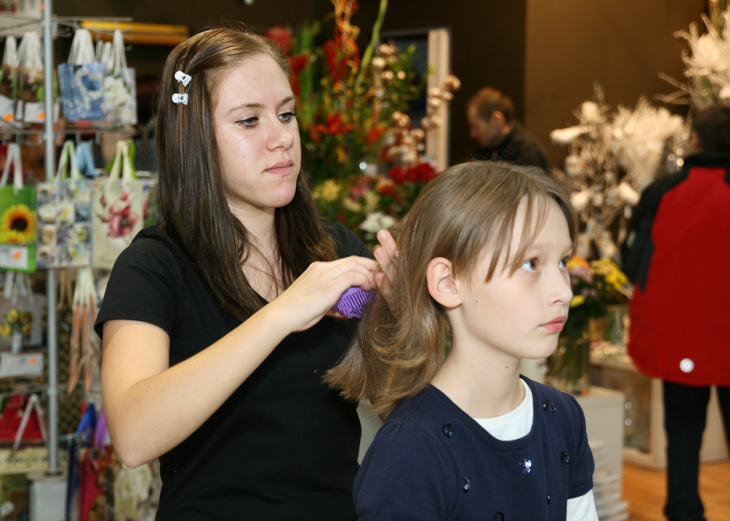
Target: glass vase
570	365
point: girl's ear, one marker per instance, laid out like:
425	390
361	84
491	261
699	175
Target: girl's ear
442	285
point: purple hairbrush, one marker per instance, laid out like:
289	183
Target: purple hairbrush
353	301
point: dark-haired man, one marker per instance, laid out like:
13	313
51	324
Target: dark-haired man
490	114
680	311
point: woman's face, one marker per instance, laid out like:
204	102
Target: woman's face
257	136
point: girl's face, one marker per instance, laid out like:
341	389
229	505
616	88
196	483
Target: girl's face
257	135
520	316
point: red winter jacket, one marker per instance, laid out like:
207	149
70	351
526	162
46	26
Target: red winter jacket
680	312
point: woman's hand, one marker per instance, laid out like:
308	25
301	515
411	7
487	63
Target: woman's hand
386	269
318	289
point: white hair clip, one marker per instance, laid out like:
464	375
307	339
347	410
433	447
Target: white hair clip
184	78
180	98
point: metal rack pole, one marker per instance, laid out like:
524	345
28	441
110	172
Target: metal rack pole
50	157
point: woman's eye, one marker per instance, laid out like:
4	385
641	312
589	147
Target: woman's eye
564	263
248	122
287	116
530	265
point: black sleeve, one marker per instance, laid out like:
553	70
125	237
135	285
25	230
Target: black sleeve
143	286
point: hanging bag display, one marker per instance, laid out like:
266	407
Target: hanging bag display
64	215
118	203
23	423
17	216
8	81
97	465
82	80
120	92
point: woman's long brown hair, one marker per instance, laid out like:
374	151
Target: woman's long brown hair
193	205
399	346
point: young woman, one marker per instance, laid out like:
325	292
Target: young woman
484	249
217	326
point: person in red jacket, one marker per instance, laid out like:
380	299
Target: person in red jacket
680	312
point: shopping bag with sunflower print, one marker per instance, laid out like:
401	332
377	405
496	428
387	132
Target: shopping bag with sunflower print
17	216
64	216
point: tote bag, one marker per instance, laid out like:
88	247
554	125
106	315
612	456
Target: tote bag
8	81
64	216
82	80
120	92
17	217
118	203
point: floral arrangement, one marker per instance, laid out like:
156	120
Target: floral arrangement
613	157
367	204
353	124
596	285
707	65
17	321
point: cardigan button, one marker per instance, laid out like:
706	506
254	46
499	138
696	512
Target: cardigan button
548	406
446	429
548	499
526	465
565	457
499	516
687	365
467	485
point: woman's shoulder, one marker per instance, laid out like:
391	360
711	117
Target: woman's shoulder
346	242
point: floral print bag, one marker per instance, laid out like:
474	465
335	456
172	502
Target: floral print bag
117	208
17	216
64	215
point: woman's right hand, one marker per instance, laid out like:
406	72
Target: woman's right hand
317	290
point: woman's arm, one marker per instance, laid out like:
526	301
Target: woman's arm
151	407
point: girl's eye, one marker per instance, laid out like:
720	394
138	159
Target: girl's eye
286	117
248	122
564	263
530	265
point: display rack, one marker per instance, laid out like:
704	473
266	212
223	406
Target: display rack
47	24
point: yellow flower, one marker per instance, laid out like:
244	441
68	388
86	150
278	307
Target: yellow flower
351	205
27	329
577	261
577	300
20	219
25	316
12	315
330	190
371	201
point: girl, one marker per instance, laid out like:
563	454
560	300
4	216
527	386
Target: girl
215	333
484	250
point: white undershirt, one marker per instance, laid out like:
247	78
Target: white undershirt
516	424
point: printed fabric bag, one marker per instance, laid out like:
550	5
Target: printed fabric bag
17	217
82	80
64	216
21	313
120	91
97	470
118	203
22	419
31	106
8	81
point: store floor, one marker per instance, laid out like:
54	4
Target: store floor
645	490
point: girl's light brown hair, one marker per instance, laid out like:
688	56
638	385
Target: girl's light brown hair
399	347
192	189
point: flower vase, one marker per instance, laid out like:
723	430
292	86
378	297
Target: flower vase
569	366
16	342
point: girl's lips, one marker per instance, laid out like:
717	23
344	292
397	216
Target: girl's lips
281	168
555	327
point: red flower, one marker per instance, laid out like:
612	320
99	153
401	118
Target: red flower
425	172
334	125
297	64
374	134
397	174
412	175
335	59
282	36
